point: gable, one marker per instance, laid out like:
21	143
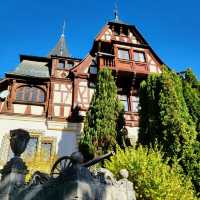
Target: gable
127	35
84	66
124	33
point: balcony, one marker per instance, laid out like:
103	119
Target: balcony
109	60
106	60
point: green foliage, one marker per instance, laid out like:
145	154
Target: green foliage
191	162
177	126
149	120
191	91
164	114
192	80
191	165
153	179
100	127
170	113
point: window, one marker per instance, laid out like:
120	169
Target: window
117	30
69	64
30	94
123	54
19	94
92	85
135	103
33	156
93	70
107	36
124	100
41	96
46	148
31	149
27	92
139	56
61	64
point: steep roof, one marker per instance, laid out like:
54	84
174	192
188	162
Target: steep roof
139	36
32	69
60	49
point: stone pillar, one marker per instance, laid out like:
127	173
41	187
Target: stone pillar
13	173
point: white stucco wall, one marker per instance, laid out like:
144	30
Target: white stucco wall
66	134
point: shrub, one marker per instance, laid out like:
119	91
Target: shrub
152	177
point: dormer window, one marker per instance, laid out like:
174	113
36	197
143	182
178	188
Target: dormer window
117	30
123	54
30	94
69	64
61	64
107	37
139	56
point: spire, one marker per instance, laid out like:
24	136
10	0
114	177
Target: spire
63	31
61	47
116	13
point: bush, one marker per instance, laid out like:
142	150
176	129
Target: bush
152	177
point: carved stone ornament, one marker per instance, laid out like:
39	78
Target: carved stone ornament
18	141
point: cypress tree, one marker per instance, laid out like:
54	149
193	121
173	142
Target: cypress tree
150	123
172	105
100	124
164	116
191	92
178	128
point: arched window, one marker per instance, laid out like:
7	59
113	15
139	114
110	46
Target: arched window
30	94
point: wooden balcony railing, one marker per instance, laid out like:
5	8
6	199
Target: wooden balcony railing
108	60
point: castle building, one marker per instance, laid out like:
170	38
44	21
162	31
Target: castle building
49	96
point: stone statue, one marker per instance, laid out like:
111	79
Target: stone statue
126	187
111	189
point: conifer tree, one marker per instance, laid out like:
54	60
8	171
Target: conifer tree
177	126
191	92
150	124
172	127
169	111
100	124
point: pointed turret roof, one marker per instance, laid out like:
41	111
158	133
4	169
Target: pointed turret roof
61	48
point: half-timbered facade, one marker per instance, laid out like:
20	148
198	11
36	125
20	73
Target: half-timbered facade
49	96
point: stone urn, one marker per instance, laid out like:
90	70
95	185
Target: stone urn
19	139
15	169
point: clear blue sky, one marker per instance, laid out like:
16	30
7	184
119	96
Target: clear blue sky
33	27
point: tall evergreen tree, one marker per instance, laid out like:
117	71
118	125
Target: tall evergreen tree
191	92
167	120
150	124
169	110
100	124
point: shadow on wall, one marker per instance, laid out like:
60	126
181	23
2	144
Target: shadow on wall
67	144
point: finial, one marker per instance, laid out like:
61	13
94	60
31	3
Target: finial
63	29
116	11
